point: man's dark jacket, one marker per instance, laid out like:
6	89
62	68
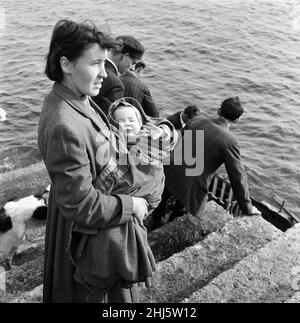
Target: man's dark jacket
220	147
136	89
112	88
175	120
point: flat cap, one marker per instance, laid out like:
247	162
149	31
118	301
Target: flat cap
131	46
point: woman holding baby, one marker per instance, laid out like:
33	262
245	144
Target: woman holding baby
77	144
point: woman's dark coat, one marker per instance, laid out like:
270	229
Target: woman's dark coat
74	140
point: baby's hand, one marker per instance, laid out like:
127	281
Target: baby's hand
153	131
144	132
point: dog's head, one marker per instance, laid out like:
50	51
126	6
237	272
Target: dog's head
5	222
23	208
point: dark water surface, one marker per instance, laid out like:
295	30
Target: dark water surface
198	52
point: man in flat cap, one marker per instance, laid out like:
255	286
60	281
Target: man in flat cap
137	89
121	58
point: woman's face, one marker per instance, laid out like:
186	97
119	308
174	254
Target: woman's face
86	73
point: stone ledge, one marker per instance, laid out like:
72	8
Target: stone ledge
23	182
295	298
263	277
186	230
195	229
23	278
183	273
33	296
27	265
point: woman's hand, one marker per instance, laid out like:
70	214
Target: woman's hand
140	208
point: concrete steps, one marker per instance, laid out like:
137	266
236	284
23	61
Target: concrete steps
265	276
185	272
186	230
296	297
164	242
33	296
217	258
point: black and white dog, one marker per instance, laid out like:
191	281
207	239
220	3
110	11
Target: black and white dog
40	213
13	217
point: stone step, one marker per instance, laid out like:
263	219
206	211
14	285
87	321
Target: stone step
23	182
186	272
164	241
267	276
296	297
33	296
28	253
182	273
23	278
186	230
27	264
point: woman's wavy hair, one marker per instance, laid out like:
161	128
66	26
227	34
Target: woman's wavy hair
71	39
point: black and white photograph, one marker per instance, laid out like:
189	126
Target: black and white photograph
149	154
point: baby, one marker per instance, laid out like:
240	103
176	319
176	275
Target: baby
149	140
129	120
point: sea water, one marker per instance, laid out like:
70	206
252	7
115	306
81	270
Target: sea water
197	52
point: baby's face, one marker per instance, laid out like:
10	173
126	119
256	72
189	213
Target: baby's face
127	119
